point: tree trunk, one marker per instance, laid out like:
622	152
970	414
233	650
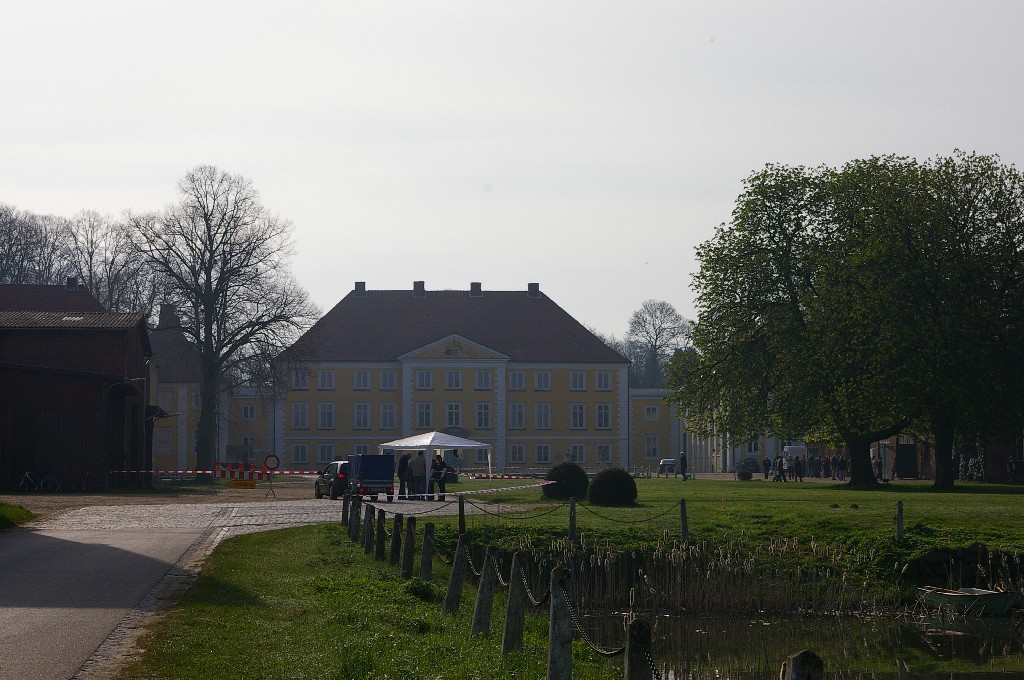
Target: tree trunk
945	471
861	474
206	431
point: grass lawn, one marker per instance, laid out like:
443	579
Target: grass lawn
13	515
306	603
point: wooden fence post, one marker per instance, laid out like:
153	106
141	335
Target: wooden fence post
899	522
805	665
396	540
344	509
368	531
410	547
354	518
572	520
462	514
683	524
427	553
458	577
485	595
380	553
638	648
515	608
560	626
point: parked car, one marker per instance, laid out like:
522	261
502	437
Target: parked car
332	480
751	465
667	466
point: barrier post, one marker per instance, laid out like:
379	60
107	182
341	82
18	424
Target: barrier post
572	520
427	553
344	509
804	665
515	608
396	541
638	645
560	627
410	547
458	577
355	517
462	515
898	519
485	595
368	531
379	555
684	526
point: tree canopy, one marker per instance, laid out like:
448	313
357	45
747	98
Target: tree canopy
851	304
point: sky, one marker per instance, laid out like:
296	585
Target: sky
588	146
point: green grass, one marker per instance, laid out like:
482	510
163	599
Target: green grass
13	515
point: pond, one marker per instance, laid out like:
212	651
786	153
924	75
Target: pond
852	648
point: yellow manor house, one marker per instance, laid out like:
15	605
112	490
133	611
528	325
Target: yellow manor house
509	368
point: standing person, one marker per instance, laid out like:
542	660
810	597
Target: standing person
438	473
835	465
842	468
682	465
418	473
798	468
766	464
876	464
777	467
1011	470
403	475
786	467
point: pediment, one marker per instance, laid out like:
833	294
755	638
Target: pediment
454	347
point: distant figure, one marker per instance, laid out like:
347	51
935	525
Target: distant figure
841	472
438	475
798	468
766	464
876	464
418	473
682	465
835	465
1011	470
403	474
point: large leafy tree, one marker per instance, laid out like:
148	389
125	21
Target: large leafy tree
222	258
853	304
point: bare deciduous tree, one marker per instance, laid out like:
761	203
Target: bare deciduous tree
223	258
101	253
656	330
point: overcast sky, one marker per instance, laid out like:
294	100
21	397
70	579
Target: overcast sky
586	146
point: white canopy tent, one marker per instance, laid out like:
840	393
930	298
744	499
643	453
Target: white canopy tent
430	442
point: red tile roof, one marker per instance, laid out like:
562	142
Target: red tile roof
381	325
16	297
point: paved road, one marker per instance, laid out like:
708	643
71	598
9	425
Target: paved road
70	583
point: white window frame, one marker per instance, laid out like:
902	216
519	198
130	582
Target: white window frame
248	411
453	414
324	452
578	453
388	415
652	447
300	415
604	454
516	454
651	413
542	416
388	381
424	415
481	456
603	416
361	379
603	381
361	415
299	453
325	415
517	416
578	416
361	449
516	381
424	379
300	379
325	379
453	379
542	381
578	381
483	415
542	454
482	380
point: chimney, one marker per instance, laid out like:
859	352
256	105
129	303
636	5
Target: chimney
475	290
361	288
533	290
168	316
71	283
418	290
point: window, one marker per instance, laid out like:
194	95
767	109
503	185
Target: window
166	401
325	420
604	416
162	437
453	380
361	449
300	380
298	453
517	380
483	416
542	381
325	380
517	416
361	416
542	417
197	401
481	456
578	416
604	453
248	412
388	381
542	453
651	446
604	381
454	415
753	445
483	380
249	441
388	416
424	419
361	380
578	453
324	453
651	413
300	416
577	381
424	380
516	453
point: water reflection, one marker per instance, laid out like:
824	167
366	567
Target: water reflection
854	649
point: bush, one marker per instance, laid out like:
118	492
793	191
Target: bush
745	475
613	486
572	482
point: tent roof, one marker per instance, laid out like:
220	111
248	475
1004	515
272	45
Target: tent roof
434	440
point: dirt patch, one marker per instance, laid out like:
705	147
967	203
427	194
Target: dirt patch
47	504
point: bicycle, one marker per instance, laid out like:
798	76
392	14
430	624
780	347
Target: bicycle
44	483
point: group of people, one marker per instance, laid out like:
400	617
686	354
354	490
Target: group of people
412	477
795	468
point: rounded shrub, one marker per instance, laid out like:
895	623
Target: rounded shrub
613	486
572	482
745	475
